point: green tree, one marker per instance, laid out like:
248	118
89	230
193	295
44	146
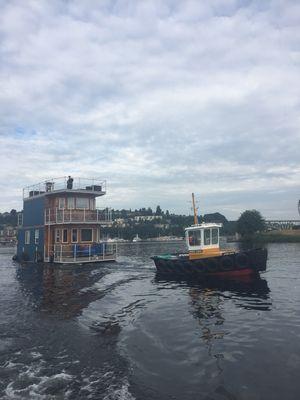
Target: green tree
250	222
158	210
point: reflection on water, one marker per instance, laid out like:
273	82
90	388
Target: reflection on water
59	290
120	331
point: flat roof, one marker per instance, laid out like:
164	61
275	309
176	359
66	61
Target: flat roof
204	225
92	186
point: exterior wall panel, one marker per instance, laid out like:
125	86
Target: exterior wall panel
33	212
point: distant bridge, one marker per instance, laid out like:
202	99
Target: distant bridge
281	224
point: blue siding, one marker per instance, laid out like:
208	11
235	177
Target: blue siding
33	218
33	212
31	248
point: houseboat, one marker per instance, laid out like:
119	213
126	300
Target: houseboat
60	222
205	258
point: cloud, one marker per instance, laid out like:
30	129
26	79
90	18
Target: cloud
161	98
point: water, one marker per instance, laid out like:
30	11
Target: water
116	331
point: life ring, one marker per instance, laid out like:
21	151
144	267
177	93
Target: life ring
242	260
227	263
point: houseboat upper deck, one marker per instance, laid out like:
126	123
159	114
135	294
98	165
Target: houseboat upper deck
94	186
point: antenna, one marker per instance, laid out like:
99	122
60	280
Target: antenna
195	210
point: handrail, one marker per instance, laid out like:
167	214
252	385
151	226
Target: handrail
60	216
81	252
97	185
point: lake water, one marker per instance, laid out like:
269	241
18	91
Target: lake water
116	331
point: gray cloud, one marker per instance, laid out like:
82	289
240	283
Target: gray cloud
162	98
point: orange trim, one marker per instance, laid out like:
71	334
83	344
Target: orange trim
213	252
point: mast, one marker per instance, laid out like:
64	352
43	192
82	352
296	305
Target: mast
194	209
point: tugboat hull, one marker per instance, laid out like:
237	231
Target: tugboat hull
248	262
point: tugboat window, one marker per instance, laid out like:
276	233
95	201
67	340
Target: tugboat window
86	235
195	238
207	237
214	236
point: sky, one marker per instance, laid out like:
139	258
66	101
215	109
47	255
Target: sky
160	98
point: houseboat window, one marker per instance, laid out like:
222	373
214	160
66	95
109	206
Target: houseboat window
20	219
74	235
207	237
214	236
82	202
36	236
65	235
195	238
92	204
57	235
61	203
86	235
71	203
27	237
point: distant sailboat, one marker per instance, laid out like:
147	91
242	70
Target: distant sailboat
136	238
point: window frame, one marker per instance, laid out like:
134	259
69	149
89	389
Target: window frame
205	237
63	231
217	236
194	236
86	229
72	206
27	237
86	205
74	230
57	236
60	200
36	236
92	203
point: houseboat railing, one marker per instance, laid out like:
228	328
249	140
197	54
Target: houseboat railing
55	184
62	216
79	253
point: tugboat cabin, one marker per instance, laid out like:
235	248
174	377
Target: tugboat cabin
60	222
203	240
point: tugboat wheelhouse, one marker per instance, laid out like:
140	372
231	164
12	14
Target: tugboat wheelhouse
61	223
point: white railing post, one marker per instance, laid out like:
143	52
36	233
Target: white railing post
63	215
70	215
49	215
84	215
56	215
97	215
